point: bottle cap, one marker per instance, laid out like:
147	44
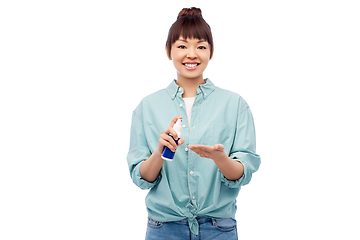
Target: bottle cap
177	127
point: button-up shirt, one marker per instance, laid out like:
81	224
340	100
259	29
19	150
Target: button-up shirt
191	186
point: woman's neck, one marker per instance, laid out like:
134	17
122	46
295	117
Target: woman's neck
189	85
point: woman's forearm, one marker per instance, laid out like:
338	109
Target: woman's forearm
231	169
150	168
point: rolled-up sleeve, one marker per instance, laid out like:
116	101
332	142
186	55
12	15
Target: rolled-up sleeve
138	152
244	148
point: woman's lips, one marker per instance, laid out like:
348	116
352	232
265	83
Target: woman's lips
191	65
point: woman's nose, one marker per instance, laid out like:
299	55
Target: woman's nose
192	54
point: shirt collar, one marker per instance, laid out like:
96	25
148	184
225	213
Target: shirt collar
204	89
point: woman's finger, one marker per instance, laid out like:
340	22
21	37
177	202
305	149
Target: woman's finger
174	120
167	144
201	148
173	133
168	139
219	147
170	130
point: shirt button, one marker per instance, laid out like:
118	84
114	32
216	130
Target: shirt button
186	149
184	126
194	197
191	172
205	94
181	105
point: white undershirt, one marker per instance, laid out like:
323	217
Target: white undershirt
189	102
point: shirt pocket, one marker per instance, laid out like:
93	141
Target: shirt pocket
218	133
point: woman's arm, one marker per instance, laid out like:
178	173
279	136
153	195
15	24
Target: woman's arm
231	169
150	168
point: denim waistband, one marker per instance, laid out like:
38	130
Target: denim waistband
199	219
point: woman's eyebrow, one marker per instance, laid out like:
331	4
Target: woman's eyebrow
183	40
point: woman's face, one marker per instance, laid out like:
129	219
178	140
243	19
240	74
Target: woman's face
190	57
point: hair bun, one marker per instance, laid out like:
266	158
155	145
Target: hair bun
190	12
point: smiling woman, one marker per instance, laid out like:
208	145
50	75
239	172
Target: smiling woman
195	194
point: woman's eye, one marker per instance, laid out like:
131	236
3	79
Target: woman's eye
202	47
182	47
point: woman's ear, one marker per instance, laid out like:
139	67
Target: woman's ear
167	53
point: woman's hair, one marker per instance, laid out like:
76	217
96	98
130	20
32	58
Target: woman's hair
190	24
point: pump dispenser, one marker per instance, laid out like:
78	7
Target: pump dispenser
167	153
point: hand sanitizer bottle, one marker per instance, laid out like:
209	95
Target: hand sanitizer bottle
167	153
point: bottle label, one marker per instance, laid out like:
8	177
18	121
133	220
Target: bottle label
167	153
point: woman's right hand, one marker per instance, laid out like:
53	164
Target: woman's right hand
168	141
150	168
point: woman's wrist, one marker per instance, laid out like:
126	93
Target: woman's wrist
220	158
231	169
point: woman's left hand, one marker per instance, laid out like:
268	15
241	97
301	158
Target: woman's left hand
215	152
232	170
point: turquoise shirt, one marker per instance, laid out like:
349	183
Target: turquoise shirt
191	186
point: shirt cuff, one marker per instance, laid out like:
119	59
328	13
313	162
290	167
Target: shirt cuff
233	183
142	183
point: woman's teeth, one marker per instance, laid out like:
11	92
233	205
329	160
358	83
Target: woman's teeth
191	65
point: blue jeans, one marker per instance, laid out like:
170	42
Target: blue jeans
209	229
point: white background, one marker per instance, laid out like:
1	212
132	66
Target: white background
73	71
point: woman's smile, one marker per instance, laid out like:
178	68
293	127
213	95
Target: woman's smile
191	65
